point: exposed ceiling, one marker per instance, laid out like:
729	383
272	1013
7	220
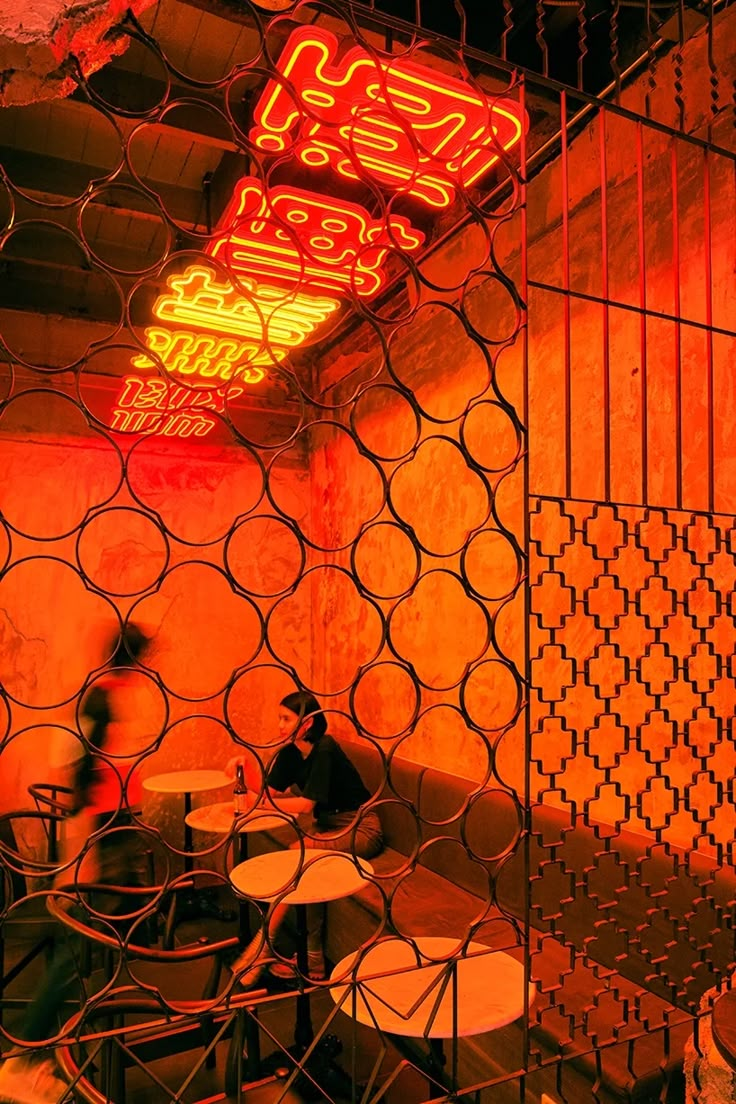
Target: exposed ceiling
147	135
136	167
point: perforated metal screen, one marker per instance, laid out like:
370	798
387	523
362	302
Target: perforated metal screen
368	357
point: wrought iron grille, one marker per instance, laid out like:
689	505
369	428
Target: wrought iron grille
483	509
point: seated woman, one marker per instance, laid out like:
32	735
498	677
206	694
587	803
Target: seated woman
311	774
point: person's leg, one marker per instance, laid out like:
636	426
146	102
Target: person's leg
365	841
61	982
261	950
116	859
33	1078
31	1081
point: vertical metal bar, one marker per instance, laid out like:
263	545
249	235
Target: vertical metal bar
253	1043
677	62
710	410
566	292
606	312
304	1032
678	324
651	78
207	193
541	41
455	1036
463	17
188	837
582	44
643	310
613	40
524	243
713	78
508	26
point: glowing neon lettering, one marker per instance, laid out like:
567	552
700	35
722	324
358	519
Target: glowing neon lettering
135	421
246	332
296	237
186	425
404	125
205	356
264	314
151	406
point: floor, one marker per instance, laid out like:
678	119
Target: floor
171	1078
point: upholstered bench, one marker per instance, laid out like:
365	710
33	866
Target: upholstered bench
623	935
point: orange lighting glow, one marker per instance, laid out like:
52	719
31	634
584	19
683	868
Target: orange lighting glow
312	241
209	357
154	406
407	126
249	332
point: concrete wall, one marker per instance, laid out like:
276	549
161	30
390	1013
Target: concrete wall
143	528
412	568
622	704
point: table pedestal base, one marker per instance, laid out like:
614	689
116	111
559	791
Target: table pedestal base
431	1065
202	902
321	1076
199	901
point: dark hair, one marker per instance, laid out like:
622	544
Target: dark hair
131	644
306	705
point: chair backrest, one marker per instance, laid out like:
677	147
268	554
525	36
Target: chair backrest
50	795
164	1027
56	799
13	879
19	866
181	1029
143	901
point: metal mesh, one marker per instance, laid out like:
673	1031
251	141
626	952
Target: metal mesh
429	512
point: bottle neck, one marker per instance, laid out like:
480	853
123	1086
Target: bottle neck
239	793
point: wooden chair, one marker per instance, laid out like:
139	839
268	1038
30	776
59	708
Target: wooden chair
52	798
23	911
106	1039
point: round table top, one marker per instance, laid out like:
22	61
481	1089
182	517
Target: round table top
294	879
404	1001
188	781
723	1026
220	819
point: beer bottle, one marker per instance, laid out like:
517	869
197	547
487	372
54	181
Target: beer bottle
239	792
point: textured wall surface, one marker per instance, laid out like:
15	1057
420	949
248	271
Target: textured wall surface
165	574
42	41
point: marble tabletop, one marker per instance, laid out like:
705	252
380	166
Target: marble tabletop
297	878
221	820
398	989
723	1026
187	781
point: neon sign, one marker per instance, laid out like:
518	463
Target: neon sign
406	126
154	406
209	357
249	332
312	241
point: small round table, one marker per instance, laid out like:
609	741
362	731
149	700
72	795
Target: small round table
431	987
221	821
723	1026
295	878
186	783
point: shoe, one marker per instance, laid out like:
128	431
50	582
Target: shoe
289	971
26	1082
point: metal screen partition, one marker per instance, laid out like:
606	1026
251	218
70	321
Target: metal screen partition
385	352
